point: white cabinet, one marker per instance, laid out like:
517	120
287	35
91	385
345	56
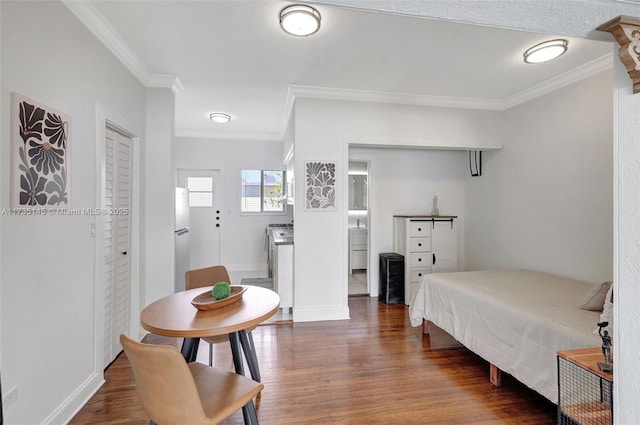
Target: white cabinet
283	275
428	243
357	248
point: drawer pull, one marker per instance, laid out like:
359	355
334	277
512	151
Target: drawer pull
419	259
419	274
419	229
419	243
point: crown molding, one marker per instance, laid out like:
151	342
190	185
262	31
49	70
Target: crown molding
217	135
394	98
584	71
165	81
95	22
591	68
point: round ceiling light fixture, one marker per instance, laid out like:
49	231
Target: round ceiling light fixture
219	117
300	20
546	51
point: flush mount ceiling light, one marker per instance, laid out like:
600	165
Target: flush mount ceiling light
219	117
300	20
546	51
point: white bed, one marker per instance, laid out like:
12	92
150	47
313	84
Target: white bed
515	319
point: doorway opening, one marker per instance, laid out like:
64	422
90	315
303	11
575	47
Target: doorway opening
358	223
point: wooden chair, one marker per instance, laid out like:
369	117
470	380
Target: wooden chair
209	276
173	392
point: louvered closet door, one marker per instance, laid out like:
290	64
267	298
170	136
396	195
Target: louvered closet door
117	236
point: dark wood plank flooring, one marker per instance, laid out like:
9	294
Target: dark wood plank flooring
372	369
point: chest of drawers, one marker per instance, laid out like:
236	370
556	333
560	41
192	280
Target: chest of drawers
428	243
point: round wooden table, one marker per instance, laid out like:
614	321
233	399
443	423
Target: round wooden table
174	316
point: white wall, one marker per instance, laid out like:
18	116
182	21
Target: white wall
48	263
404	182
323	130
242	235
158	261
545	201
626	332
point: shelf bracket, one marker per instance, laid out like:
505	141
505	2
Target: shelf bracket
626	31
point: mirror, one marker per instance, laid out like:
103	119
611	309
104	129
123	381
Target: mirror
357	186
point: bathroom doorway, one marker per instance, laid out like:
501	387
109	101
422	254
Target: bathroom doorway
358	222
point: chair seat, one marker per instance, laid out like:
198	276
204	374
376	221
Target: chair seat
173	392
216	339
221	338
221	392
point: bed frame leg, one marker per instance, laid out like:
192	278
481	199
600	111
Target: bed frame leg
495	375
426	327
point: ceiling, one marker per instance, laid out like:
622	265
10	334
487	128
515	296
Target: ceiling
233	57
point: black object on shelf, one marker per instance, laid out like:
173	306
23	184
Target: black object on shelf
391	278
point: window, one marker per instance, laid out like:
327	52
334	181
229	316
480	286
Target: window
200	191
262	191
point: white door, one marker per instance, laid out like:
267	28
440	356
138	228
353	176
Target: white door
116	213
205	215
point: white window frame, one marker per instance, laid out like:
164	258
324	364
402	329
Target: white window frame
283	211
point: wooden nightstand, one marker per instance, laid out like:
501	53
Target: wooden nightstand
585	393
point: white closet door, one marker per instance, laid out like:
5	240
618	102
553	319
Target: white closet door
116	213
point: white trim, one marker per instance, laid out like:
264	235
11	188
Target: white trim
106	119
204	134
320	313
165	81
587	70
424	144
618	163
286	111
76	401
96	23
394	98
591	68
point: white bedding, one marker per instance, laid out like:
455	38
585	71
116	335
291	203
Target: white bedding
515	319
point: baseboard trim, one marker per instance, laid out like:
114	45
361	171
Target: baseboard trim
76	401
316	314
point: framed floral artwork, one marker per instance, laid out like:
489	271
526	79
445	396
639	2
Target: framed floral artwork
320	185
40	139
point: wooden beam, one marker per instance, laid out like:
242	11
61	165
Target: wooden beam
626	31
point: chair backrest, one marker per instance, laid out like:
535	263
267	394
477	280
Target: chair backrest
207	276
164	383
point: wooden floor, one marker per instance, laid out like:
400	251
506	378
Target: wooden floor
372	369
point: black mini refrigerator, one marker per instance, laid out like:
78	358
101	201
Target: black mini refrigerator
391	278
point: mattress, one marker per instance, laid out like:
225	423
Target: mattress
515	319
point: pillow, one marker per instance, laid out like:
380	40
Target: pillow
596	298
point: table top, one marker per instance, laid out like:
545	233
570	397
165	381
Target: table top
174	315
587	358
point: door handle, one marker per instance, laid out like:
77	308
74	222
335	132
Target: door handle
434	258
124	252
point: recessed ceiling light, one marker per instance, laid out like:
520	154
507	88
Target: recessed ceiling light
300	20
219	117
546	51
